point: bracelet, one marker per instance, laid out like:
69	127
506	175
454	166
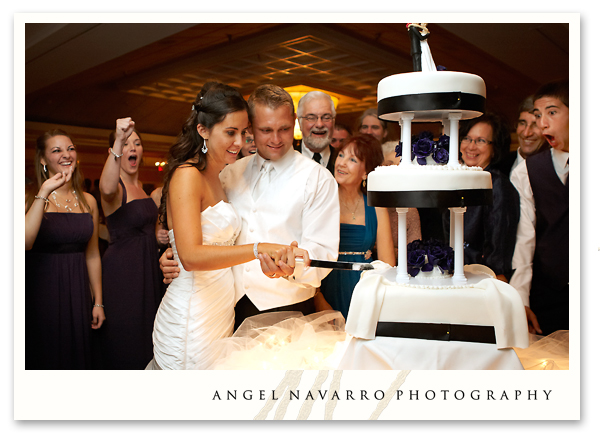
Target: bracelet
256	250
42	198
117	156
101	306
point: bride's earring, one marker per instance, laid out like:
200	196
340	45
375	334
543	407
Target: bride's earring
204	147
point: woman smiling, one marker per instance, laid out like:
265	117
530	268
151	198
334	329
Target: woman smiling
490	231
361	226
63	287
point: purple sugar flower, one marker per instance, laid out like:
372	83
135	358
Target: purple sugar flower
399	149
415	245
444	142
440	155
422	148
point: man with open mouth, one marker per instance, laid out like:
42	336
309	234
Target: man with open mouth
541	257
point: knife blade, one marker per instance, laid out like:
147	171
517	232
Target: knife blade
354	266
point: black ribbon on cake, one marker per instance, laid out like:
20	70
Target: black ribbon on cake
453	198
437	331
454	100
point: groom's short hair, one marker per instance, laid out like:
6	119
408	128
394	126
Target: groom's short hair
271	96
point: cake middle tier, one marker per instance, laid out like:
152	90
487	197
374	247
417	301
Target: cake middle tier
429	186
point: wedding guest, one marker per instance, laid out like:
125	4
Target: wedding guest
529	137
162	234
130	264
369	123
361	226
541	257
249	146
63	283
490	231
340	133
316	117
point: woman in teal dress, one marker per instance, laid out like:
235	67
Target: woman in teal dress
361	226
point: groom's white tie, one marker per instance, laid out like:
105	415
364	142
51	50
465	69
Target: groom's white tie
263	180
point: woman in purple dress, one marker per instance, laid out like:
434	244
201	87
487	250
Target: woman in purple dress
63	281
130	264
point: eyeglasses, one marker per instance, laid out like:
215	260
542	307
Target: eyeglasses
312	118
479	142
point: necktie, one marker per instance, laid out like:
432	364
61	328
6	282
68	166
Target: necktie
317	157
263	180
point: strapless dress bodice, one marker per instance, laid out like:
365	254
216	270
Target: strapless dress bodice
198	307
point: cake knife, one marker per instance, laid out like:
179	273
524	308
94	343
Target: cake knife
354	266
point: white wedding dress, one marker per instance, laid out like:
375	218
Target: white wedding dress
198	307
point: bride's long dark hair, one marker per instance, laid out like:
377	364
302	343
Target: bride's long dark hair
214	102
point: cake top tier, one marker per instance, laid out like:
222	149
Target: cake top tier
431	96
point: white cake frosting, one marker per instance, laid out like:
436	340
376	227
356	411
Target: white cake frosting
415	83
482	301
472	296
412	83
427	178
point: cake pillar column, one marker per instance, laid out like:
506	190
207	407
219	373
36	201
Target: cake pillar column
459	248
406	132
454	118
402	270
452	244
446	126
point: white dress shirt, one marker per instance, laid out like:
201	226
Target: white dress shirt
516	163
325	154
525	247
300	204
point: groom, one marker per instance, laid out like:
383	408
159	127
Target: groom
298	203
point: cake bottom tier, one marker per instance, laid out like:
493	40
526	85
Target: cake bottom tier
391	353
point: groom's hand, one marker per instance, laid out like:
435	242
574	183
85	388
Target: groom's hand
169	266
272	269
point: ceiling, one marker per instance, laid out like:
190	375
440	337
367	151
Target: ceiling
86	75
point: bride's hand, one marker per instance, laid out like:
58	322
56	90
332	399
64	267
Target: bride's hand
270	256
283	261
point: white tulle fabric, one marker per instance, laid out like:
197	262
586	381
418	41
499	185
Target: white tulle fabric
284	341
546	353
198	307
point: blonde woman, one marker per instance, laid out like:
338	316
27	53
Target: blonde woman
63	285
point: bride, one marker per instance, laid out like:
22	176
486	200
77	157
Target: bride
198	307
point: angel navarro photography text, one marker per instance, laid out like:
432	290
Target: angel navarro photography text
378	395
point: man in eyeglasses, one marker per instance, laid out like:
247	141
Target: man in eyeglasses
316	116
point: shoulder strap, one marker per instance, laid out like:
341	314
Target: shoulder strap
124	198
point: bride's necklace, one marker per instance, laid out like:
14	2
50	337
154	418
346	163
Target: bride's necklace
352	211
67	201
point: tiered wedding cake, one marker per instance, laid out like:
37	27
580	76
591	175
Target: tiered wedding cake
431	295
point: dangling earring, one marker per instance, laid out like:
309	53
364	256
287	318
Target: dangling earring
365	183
45	170
204	147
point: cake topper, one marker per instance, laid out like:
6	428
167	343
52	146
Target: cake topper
419	48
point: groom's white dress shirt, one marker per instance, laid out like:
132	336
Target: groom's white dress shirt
300	204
